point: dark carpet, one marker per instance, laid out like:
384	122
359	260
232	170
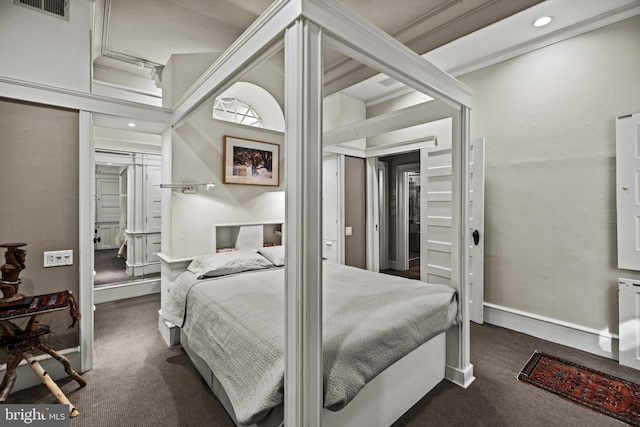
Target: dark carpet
601	392
109	267
138	381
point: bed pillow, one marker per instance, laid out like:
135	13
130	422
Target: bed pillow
275	254
223	263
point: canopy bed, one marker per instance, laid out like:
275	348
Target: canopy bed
303	28
229	306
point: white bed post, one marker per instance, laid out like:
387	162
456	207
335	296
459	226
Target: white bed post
303	225
459	369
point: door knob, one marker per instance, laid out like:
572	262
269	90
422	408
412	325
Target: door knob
476	237
625	188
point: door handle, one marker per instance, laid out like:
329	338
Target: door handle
476	237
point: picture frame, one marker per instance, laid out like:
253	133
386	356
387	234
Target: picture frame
251	162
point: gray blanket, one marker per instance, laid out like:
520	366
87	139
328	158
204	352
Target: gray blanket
370	320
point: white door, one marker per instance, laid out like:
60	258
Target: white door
628	190
107	212
435	262
476	224
330	209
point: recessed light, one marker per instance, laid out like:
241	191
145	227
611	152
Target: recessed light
132	125
541	22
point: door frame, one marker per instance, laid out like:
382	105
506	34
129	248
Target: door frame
402	217
383	220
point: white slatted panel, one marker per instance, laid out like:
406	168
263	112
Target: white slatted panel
438	221
476	222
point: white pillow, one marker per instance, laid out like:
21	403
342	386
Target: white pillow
275	254
220	264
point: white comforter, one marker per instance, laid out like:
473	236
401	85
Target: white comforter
370	320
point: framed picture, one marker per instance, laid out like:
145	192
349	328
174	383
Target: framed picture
251	162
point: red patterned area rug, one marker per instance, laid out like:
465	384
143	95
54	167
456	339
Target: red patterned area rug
604	393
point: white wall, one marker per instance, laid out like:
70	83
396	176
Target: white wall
550	218
197	154
39	48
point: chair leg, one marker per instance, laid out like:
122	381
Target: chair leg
67	365
10	376
51	385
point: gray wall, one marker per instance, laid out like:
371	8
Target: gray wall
550	218
355	212
39	193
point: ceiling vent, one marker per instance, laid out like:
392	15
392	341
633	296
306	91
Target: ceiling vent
59	8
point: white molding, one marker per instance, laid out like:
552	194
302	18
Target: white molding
26	378
50	95
86	217
462	377
102	294
547	40
572	335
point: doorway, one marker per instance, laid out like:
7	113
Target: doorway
413	218
399	198
126	225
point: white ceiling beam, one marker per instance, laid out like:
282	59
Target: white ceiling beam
352	35
398	119
65	98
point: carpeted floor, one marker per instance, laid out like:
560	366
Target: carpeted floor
137	381
109	267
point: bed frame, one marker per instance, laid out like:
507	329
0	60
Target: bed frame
381	402
308	26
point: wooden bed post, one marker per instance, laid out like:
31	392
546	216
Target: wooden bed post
459	369
303	225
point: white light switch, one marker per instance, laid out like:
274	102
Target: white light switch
348	231
58	258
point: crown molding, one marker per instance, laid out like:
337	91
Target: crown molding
564	34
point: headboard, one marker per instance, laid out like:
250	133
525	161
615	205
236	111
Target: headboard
250	236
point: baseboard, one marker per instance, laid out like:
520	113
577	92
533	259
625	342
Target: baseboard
27	378
602	343
461	377
125	290
170	333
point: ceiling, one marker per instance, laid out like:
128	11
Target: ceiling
133	36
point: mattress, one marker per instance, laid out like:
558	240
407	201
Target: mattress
235	323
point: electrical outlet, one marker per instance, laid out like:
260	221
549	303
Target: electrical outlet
49	258
58	258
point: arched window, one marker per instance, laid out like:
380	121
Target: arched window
236	110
